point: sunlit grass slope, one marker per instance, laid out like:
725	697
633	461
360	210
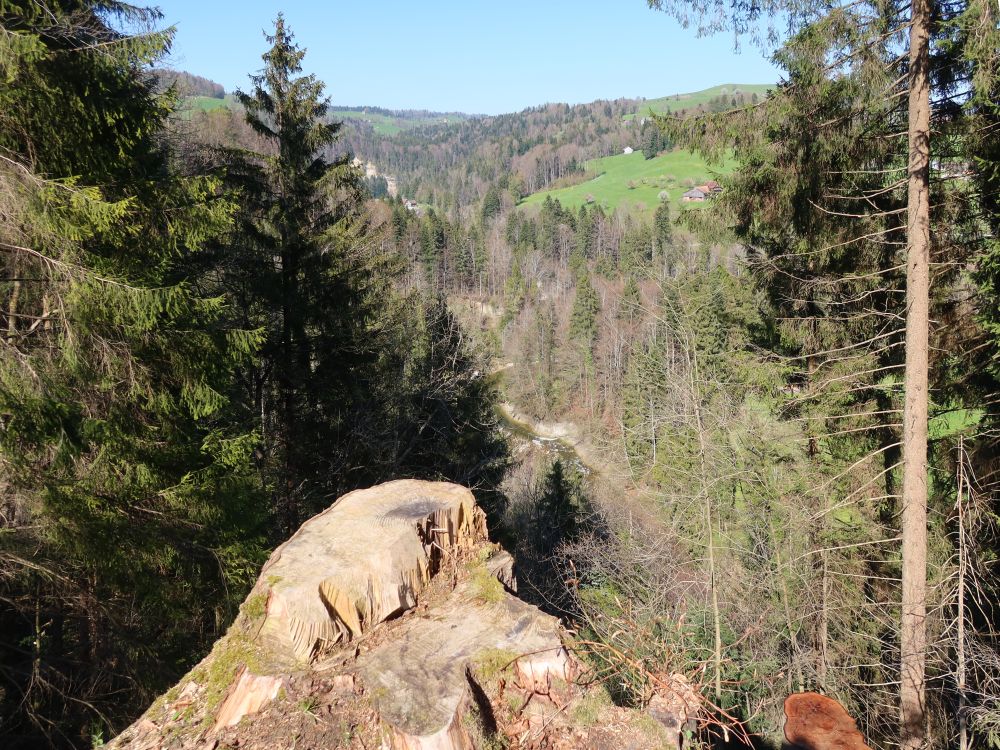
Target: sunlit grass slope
634	183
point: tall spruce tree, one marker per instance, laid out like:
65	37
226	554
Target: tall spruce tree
301	278
356	382
131	522
583	327
558	508
852	206
433	410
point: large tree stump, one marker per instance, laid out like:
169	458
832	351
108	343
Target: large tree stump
421	681
364	560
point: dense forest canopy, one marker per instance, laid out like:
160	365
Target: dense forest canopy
452	160
784	387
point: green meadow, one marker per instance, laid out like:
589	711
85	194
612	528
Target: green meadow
388	125
633	183
674	102
383	124
206	103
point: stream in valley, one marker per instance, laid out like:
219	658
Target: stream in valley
554	447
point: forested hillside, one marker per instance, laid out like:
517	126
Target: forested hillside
772	329
189	85
802	401
451	160
453	166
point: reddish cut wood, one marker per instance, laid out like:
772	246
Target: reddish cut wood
816	722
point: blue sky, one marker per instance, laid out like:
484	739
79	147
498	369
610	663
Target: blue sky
471	56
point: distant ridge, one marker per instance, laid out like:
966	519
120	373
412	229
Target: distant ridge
188	84
367	109
388	121
674	102
391	121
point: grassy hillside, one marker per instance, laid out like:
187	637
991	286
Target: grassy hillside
189	105
674	102
384	124
674	172
685	101
206	103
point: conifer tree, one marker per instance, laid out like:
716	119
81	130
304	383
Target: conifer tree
583	326
297	273
433	409
652	140
585	233
586	306
491	204
854	207
558	508
663	237
433	242
134	522
356	382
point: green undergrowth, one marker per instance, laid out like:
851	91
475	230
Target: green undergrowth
492	662
953	422
486	587
589	710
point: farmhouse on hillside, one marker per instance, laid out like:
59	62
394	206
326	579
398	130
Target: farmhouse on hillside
701	192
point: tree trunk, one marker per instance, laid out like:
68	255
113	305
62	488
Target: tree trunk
960	668
913	635
709	521
824	622
289	383
12	312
